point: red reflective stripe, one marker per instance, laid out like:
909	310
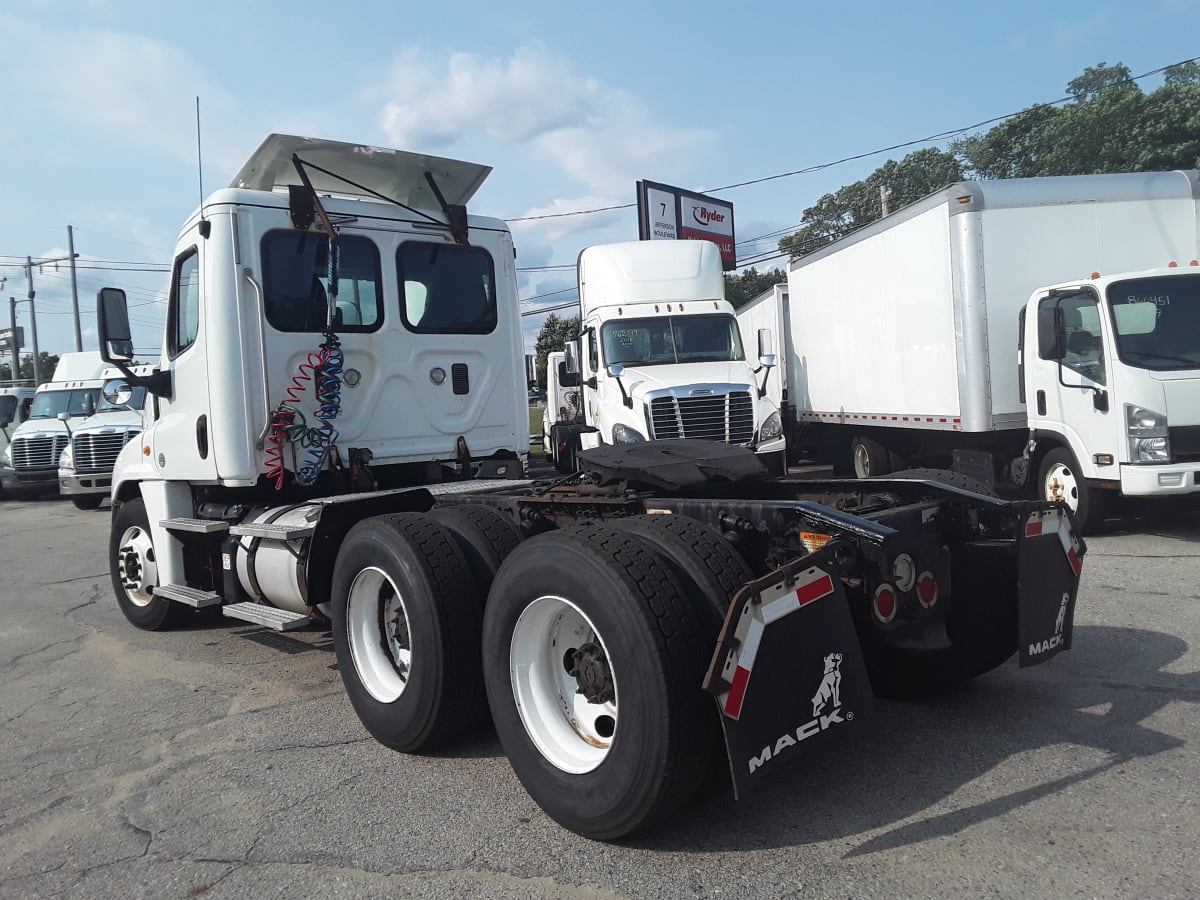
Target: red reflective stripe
814	590
1073	559
1033	529
737	693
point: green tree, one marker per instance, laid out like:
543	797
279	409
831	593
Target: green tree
46	364
740	289
861	203
554	333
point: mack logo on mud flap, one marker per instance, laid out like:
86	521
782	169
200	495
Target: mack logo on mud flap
1053	643
826	710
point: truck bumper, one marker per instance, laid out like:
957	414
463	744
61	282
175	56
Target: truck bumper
72	484
13	479
1160	481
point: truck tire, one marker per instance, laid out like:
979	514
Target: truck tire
947	476
406	629
700	558
87	501
593	662
484	535
134	570
1059	479
869	456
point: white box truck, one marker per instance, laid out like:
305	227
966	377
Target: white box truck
660	355
906	337
29	464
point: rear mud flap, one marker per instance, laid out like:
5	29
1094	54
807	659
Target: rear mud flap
788	673
1049	563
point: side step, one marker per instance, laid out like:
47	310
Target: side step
272	532
270	616
188	596
196	526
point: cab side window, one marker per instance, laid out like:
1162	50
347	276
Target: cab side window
183	308
593	351
1084	350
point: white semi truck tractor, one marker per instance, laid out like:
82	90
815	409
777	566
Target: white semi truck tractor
338	438
660	356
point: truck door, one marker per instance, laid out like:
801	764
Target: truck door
1070	395
182	442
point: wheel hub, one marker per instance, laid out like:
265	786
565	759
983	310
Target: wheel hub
590	669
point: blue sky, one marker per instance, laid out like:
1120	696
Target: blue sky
570	103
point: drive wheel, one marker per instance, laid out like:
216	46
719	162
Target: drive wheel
593	665
134	567
406	627
1061	480
869	456
87	501
484	535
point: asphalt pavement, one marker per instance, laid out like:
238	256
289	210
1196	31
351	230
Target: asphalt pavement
222	760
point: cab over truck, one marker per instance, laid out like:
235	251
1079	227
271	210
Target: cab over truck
660	356
926	339
337	442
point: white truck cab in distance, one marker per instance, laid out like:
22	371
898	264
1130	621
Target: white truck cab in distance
29	463
660	354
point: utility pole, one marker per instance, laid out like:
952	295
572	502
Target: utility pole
29	264
74	287
885	199
16	351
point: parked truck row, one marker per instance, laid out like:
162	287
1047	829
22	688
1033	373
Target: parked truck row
338	439
1027	332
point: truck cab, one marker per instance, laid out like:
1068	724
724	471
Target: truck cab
15	401
29	463
1111	375
660	354
85	467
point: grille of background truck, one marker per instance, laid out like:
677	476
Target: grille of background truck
98	452
38	452
721	417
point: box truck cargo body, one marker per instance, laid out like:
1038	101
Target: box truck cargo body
904	336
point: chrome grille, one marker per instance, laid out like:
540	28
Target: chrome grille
719	417
97	452
39	452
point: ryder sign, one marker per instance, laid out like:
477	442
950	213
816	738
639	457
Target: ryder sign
671	213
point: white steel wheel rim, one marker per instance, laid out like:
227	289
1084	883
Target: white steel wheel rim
571	732
379	633
862	461
1061	485
136	565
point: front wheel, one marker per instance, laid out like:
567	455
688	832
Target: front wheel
1060	480
406	620
593	664
87	501
133	562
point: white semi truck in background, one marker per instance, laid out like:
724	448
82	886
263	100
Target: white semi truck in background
29	464
15	400
1006	328
85	467
338	437
660	356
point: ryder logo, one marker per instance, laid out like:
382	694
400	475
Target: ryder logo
1053	643
826	711
706	216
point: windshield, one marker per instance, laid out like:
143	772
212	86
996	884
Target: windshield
137	401
48	404
1157	321
671	339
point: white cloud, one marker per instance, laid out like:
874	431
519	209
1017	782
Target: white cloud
597	135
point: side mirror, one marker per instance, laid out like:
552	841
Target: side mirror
1050	333
64	417
616	370
118	392
766	345
116	339
767	360
572	357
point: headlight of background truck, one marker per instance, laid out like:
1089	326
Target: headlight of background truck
67	459
1147	430
772	427
623	434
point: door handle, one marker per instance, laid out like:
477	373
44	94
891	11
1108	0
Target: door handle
202	436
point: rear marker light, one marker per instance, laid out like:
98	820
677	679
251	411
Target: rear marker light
884	604
927	589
